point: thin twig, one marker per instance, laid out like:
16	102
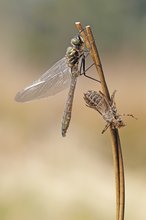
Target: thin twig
116	146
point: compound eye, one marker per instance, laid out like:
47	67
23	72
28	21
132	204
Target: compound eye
75	41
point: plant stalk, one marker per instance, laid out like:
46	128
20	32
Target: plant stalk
116	145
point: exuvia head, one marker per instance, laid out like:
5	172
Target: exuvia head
77	42
118	123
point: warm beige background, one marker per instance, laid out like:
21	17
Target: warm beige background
42	175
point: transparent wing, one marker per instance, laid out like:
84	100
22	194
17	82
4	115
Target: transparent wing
53	81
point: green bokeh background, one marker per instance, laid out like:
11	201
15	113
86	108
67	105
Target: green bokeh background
45	176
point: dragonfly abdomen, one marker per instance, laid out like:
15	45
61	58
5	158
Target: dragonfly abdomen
68	108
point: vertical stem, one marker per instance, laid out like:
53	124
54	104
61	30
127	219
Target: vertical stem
116	141
122	184
116	145
116	160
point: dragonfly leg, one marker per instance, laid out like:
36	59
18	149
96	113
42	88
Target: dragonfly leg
106	127
129	115
82	67
113	97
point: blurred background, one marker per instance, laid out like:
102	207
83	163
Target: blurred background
45	176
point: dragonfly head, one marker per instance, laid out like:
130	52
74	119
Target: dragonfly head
77	42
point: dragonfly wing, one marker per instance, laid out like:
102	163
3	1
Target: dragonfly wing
53	81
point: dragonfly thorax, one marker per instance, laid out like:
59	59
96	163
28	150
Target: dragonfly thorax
72	56
75	52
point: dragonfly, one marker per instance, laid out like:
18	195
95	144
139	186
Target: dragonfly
61	75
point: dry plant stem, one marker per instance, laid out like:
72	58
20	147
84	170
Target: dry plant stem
117	156
99	68
116	146
122	182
